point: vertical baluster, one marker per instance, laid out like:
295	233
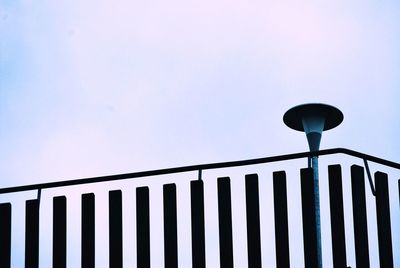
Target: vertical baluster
225	222
115	231
253	221
59	232
32	233
143	227
88	231
309	224
337	216
5	235
170	226
197	212
383	220
281	220
359	216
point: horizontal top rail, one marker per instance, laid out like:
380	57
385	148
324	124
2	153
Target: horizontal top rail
199	168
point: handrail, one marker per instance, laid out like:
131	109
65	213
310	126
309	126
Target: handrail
199	168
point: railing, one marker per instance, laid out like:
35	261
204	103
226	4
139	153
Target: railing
283	253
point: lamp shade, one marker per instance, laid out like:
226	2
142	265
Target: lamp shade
313	119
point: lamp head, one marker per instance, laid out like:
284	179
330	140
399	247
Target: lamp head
313	119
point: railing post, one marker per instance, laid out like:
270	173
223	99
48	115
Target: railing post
32	233
5	235
383	220
115	228
170	226
225	223
359	216
337	216
281	220
143	227
88	231
253	221
59	232
197	213
309	221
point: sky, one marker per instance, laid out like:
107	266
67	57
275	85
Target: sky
91	88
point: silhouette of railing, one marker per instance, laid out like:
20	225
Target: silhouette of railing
59	258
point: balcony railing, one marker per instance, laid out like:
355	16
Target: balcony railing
339	248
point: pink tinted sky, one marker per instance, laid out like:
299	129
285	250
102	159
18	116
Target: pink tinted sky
97	87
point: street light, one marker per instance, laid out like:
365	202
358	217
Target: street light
313	119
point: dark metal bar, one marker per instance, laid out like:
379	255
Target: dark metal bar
115	225
309	221
143	227
5	235
337	216
170	227
59	232
359	216
202	167
253	221
225	223
383	220
88	231
371	183
197	213
281	220
39	195
32	234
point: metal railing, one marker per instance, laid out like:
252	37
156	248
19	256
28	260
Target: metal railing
59	258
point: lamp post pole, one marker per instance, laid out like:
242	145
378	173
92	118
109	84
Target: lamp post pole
313	119
317	209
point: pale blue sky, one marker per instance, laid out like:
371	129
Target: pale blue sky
98	88
89	88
